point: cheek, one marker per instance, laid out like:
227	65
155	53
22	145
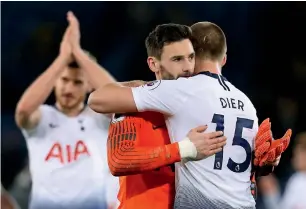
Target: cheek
172	66
80	91
58	88
176	69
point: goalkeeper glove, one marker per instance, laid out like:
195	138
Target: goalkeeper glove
267	149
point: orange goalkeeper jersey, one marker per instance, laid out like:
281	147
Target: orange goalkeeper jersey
139	151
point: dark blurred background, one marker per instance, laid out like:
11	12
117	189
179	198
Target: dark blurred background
266	55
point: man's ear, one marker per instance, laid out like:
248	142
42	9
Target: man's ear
153	64
224	60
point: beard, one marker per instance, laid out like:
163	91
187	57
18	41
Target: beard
70	104
165	75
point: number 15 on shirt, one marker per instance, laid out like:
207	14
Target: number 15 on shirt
237	141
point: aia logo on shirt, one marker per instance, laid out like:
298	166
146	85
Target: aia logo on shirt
67	153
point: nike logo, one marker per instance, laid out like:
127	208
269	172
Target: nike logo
51	125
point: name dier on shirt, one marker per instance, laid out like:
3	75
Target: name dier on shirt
231	103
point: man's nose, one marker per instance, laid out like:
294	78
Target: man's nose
69	87
188	67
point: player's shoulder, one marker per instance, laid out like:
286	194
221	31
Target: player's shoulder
157	84
237	91
296	181
144	118
185	80
49	111
88	112
244	96
206	76
48	121
180	87
204	79
297	177
48	108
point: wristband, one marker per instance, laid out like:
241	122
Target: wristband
187	149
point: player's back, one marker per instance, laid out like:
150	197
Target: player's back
222	180
66	160
150	189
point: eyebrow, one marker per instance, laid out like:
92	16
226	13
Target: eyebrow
79	81
74	80
177	56
192	54
182	56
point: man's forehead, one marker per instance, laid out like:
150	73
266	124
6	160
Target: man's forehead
179	48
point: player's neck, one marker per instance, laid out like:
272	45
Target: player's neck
70	112
205	65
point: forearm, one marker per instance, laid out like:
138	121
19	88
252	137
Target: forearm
106	99
41	88
97	75
97	98
125	159
112	98
134	83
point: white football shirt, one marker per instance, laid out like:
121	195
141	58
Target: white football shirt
68	160
293	197
295	192
221	181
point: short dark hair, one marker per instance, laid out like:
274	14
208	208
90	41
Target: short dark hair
165	34
74	63
209	41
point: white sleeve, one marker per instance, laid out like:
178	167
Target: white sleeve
164	96
41	128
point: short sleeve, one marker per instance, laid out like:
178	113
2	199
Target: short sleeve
41	128
164	96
